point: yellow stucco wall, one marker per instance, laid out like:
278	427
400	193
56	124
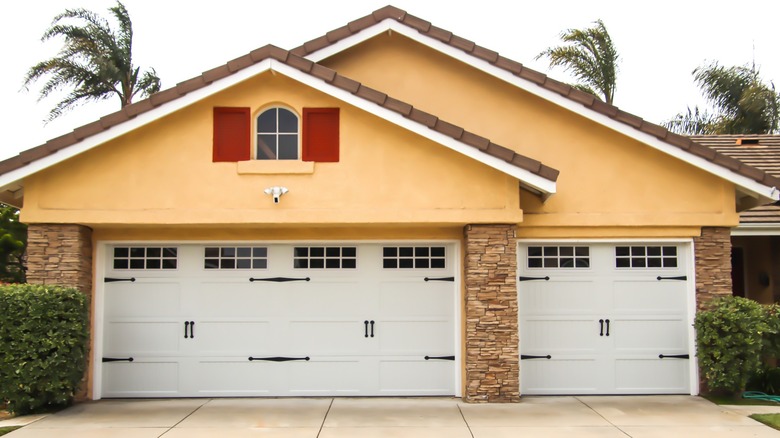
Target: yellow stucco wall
609	184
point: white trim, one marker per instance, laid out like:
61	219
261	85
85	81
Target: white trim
101	252
759	229
534	181
753	187
693	370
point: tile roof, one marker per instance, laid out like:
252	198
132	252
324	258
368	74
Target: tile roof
295	58
759	151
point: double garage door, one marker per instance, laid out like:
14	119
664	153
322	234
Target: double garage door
604	318
279	320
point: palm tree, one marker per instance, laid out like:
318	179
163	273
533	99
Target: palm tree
591	57
96	61
743	104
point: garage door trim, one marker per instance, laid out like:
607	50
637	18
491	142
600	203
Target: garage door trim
100	269
693	368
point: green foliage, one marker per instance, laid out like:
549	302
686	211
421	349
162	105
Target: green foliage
8	429
591	57
95	61
766	380
771	420
743	103
13	241
731	338
44	332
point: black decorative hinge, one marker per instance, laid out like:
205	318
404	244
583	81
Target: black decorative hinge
439	278
547	278
114	280
278	358
528	356
680	278
280	279
674	356
117	359
440	357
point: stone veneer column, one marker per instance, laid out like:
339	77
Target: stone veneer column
713	264
492	350
60	254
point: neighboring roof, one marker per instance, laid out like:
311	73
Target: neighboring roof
759	151
539	177
534	175
540	84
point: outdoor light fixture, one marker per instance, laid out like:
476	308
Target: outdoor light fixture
276	192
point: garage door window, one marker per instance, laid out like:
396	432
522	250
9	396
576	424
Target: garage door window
646	256
235	257
558	257
413	257
145	257
325	257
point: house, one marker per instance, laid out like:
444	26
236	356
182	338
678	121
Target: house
756	240
389	209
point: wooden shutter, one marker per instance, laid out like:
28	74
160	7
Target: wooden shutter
232	134
321	135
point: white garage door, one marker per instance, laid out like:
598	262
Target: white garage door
279	320
604	318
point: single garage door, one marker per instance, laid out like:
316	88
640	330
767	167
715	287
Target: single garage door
279	320
604	318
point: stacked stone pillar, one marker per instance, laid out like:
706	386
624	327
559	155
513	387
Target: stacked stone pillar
492	349
713	264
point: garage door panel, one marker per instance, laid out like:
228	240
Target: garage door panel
410	376
559	296
142	377
414	336
237	298
648	296
237	376
326	336
134	299
340	298
559	335
321	376
234	337
145	337
430	298
555	376
660	334
651	376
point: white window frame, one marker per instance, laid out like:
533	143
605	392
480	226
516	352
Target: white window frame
257	133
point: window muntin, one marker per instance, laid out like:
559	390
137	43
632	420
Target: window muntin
277	135
145	257
565	257
235	257
413	257
325	257
647	257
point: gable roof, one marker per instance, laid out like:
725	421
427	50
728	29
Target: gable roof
752	180
533	175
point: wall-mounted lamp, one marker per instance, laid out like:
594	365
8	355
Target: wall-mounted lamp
276	192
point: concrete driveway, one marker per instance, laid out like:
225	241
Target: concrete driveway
648	416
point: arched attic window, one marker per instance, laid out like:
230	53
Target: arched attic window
277	135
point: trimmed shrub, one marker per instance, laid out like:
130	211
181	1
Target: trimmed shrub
731	339
44	331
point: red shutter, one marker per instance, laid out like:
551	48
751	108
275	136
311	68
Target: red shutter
321	135
232	134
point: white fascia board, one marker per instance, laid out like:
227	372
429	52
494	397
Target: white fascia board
535	181
755	188
759	229
134	123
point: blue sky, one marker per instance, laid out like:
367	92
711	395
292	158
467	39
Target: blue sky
660	43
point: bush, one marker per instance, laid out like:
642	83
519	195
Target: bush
43	345
731	338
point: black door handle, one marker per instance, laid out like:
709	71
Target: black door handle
192	329
114	280
439	278
365	323
679	278
117	359
545	278
674	356
372	328
607	321
186	329
530	356
601	331
278	358
279	279
440	357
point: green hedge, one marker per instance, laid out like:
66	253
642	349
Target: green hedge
733	336
44	331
